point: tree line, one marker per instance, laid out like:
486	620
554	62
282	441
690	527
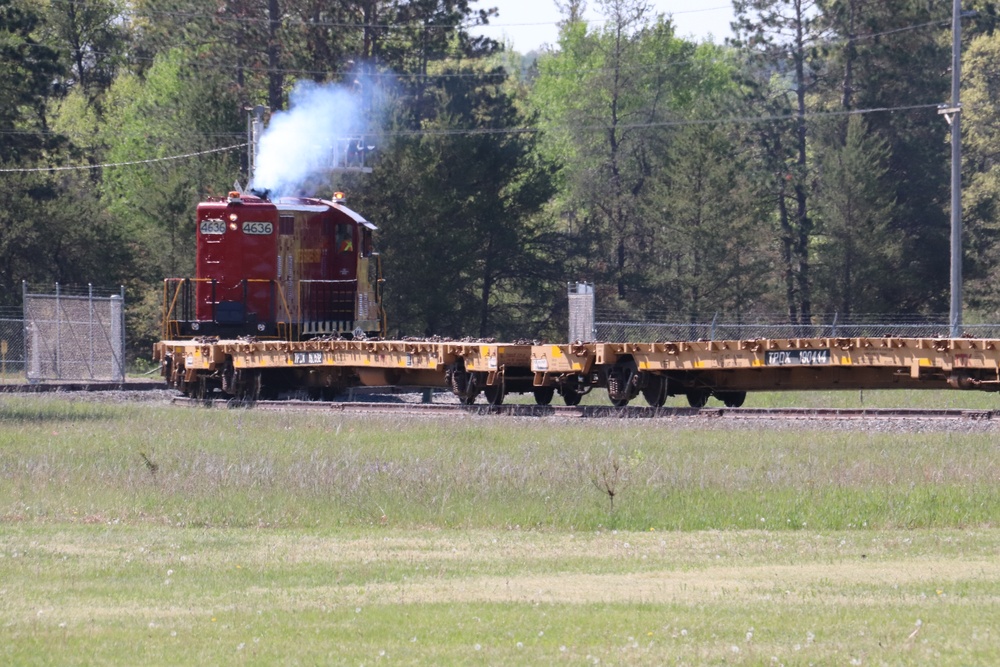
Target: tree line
801	167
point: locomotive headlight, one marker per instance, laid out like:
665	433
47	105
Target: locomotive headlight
233	216
232	226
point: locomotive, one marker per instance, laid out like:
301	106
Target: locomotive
294	268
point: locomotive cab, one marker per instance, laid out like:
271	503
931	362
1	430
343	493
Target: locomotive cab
292	268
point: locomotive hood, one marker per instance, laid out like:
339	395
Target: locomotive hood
320	205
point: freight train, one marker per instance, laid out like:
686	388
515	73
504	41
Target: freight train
288	299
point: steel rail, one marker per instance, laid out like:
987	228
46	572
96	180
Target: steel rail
600	411
55	387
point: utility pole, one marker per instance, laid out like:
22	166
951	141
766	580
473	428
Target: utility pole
255	130
953	114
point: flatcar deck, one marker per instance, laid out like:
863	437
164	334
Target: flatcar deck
697	369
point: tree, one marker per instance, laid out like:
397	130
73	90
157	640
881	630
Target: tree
176	109
981	152
896	54
781	38
27	69
96	38
855	254
706	252
600	99
457	204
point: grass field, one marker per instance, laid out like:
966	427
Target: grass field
138	533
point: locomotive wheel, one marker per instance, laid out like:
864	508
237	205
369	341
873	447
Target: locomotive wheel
697	398
655	391
620	402
732	399
543	395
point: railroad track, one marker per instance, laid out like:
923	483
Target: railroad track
55	387
603	412
529	410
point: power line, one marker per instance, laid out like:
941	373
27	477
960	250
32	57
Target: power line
729	120
124	164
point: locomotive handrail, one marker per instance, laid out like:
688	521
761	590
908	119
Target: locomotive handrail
169	323
284	307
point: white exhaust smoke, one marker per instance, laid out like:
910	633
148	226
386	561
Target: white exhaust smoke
303	143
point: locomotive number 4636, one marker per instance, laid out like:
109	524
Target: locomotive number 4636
258	228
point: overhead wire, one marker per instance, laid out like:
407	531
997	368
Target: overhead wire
109	165
729	120
501	130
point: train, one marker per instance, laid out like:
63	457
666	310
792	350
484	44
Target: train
287	299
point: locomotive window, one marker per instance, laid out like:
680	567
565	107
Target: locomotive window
366	243
286	225
345	237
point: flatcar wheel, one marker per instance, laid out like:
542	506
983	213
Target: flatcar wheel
732	399
495	393
571	396
697	398
655	391
543	395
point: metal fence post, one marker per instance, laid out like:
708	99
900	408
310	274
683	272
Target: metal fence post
58	351
118	337
90	315
24	329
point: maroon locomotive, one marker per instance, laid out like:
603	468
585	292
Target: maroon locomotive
292	268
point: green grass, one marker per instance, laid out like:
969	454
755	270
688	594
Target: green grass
327	538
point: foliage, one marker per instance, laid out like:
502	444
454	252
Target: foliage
680	177
981	141
896	54
477	182
855	246
51	226
175	108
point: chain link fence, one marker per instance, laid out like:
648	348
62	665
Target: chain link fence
74	334
11	345
608	328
